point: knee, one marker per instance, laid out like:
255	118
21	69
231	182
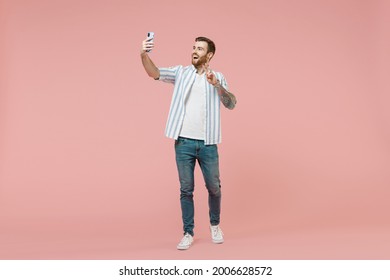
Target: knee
214	190
186	192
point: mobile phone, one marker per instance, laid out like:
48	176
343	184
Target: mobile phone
150	38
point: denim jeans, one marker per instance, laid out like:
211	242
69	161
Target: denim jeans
188	151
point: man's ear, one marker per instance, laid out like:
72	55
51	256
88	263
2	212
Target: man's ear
210	55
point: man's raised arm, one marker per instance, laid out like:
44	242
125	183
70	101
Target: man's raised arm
148	64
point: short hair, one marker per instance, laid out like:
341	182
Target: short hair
210	43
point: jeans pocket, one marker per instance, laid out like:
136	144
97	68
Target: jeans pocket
180	141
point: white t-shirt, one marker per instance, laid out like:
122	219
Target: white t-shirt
195	110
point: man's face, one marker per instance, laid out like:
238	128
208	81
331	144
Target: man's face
199	54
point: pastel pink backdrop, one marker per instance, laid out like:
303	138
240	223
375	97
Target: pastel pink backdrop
86	172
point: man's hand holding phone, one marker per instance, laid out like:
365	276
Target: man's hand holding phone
148	43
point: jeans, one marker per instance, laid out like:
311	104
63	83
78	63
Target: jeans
188	151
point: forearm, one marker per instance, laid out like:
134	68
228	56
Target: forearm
149	66
227	98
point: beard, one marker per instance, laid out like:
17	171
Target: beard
199	61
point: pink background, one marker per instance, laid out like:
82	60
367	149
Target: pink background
85	169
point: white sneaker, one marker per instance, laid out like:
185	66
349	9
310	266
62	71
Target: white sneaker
216	234
185	242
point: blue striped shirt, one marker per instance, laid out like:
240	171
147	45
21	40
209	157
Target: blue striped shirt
183	77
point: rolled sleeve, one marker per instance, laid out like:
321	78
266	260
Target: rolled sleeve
169	74
224	83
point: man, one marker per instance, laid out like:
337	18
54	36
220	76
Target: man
194	123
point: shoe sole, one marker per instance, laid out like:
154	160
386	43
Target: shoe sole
218	241
184	247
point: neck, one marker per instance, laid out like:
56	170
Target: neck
200	69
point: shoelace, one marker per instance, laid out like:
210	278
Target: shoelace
186	239
216	231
